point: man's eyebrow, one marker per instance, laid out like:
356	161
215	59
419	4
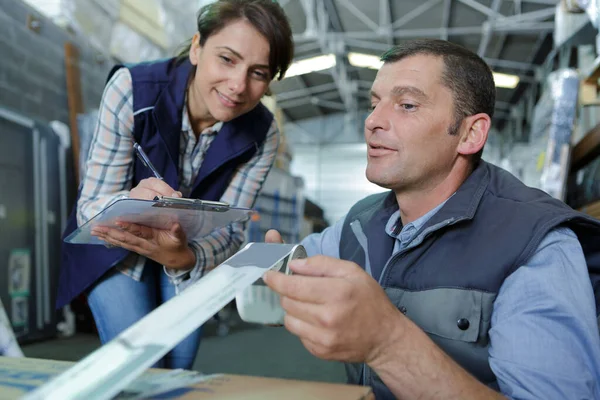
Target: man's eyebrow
374	94
402	90
238	55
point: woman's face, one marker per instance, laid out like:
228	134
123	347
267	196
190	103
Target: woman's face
232	72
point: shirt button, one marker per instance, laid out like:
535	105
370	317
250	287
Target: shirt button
463	324
402	310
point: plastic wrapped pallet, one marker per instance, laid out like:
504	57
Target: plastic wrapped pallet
592	8
573	6
552	124
569	26
585	188
179	22
129	46
280	205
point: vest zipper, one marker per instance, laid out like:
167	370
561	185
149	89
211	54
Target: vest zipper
418	241
395	257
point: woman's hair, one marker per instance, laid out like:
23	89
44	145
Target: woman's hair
266	16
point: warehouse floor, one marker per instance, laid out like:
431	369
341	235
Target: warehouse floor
247	349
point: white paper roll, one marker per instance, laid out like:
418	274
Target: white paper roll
258	303
105	372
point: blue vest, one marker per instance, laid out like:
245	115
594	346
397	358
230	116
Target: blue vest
447	279
159	90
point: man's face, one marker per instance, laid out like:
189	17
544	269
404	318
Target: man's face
409	148
232	70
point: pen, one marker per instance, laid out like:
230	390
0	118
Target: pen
145	160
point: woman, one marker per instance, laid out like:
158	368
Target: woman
199	119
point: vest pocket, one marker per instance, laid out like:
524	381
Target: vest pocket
451	313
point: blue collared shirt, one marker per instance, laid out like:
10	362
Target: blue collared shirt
544	341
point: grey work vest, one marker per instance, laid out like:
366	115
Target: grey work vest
446	280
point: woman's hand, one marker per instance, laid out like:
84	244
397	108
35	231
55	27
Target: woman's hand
168	247
149	188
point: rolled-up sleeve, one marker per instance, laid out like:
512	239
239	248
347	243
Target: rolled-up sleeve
326	243
544	330
109	167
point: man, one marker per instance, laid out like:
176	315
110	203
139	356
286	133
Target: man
460	282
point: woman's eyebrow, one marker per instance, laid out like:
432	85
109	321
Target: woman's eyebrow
238	55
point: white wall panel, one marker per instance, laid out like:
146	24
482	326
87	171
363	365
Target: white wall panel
334	176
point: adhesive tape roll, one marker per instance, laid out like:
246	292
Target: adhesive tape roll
257	303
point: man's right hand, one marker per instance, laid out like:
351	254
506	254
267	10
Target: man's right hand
150	188
273	236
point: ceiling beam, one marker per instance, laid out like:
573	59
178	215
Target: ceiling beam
306	48
475	5
309	91
305	100
359	14
518	6
414	13
487	30
385	20
522	28
334	18
370	47
533	16
496	52
544	2
509	64
327	16
445	19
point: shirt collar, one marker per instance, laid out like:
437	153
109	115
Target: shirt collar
394	225
186	125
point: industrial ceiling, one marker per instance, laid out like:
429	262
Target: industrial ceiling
513	36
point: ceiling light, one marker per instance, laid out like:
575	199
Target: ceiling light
364	60
312	64
370	61
505	80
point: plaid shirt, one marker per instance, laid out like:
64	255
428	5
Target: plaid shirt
109	173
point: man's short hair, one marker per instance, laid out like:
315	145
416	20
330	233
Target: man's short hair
467	76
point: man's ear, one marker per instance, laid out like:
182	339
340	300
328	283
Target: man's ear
474	134
195	49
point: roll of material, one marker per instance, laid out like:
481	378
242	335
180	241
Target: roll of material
259	304
108	370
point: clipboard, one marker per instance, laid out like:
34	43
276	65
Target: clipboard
197	217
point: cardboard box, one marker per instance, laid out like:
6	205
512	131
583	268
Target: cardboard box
21	375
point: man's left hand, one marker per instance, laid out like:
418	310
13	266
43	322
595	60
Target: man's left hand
167	247
336	309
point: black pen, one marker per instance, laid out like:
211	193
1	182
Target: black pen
145	160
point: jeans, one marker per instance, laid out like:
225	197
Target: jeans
118	301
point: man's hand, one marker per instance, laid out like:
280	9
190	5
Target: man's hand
341	313
167	247
336	309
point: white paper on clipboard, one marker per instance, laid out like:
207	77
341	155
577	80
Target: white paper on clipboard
196	217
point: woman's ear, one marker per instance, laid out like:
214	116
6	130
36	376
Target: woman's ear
195	49
475	135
